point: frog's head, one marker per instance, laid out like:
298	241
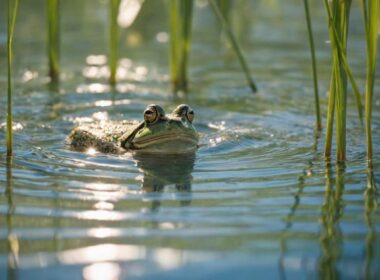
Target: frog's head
162	133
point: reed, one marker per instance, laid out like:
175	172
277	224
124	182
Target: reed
318	124
180	25
338	19
225	7
53	39
330	115
370	15
114	40
12	13
236	47
341	49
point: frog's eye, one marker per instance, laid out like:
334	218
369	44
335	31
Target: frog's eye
153	113
150	115
190	115
184	110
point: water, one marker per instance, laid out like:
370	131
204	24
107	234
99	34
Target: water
256	201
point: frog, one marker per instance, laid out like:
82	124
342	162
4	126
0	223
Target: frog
158	133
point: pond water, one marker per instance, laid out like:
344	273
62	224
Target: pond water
257	200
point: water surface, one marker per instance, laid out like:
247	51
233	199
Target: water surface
257	199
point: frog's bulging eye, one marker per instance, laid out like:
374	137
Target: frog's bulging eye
190	115
151	115
184	110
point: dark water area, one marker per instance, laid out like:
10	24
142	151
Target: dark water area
257	200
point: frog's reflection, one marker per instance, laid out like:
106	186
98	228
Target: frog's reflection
163	170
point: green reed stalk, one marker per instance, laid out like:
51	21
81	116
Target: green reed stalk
234	44
330	115
53	39
318	124
340	50
11	27
114	40
187	11
347	69
180	25
174	42
342	15
225	8
338	15
371	30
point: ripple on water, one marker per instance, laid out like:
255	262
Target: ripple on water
257	199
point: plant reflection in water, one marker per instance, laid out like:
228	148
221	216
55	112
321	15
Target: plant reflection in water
12	240
331	234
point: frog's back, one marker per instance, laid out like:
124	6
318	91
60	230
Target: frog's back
102	136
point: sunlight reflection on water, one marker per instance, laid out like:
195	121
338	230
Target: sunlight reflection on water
100	271
257	199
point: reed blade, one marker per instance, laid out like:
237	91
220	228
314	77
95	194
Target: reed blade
12	14
113	39
318	124
180	26
371	23
173	25
330	115
338	19
234	44
187	12
341	52
53	39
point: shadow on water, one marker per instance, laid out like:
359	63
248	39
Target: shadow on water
12	241
162	170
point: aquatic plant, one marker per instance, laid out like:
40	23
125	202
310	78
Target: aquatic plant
224	7
53	38
113	39
338	25
338	19
230	35
180	23
318	124
12	13
371	16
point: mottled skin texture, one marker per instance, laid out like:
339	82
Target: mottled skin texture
158	133
102	136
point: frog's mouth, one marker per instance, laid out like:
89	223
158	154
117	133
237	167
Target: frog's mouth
167	141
